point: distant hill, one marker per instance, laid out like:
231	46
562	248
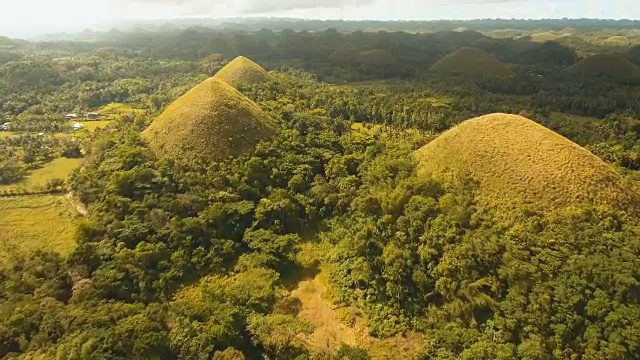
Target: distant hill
472	61
345	54
543	37
613	66
377	57
212	121
618	40
219	45
518	163
550	53
242	70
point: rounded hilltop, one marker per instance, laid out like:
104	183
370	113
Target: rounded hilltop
519	164
345	54
608	65
543	37
474	61
377	57
242	71
618	40
211	122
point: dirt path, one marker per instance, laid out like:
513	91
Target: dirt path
330	333
76	204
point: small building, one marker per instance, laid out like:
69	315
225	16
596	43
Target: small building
71	116
77	126
5	127
93	116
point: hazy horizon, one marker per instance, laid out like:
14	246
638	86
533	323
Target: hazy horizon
20	20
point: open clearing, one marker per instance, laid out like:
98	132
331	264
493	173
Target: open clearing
59	168
92	126
330	333
30	223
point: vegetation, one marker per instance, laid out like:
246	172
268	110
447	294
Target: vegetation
472	61
210	122
336	209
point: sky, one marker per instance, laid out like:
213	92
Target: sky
23	18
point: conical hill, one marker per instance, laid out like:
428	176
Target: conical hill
242	71
607	65
472	61
519	164
212	121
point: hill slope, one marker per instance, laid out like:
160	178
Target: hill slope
613	66
543	37
242	70
519	163
377	57
212	121
633	54
472	61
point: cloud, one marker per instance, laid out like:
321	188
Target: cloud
265	6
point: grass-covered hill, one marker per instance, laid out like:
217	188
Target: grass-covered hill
469	60
543	37
242	71
346	54
210	122
377	57
549	54
633	54
519	164
617	40
608	65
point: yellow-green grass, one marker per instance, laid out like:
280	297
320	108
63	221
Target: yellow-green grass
242	71
608	65
116	110
7	134
472	61
30	223
377	57
37	179
212	121
543	37
519	164
92	126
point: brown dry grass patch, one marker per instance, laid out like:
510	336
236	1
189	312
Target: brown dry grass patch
331	332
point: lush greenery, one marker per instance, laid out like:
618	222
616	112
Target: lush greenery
192	258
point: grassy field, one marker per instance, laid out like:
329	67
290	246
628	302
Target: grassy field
114	110
92	126
518	163
59	168
7	134
29	223
212	121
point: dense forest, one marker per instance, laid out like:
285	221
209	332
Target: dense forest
195	258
